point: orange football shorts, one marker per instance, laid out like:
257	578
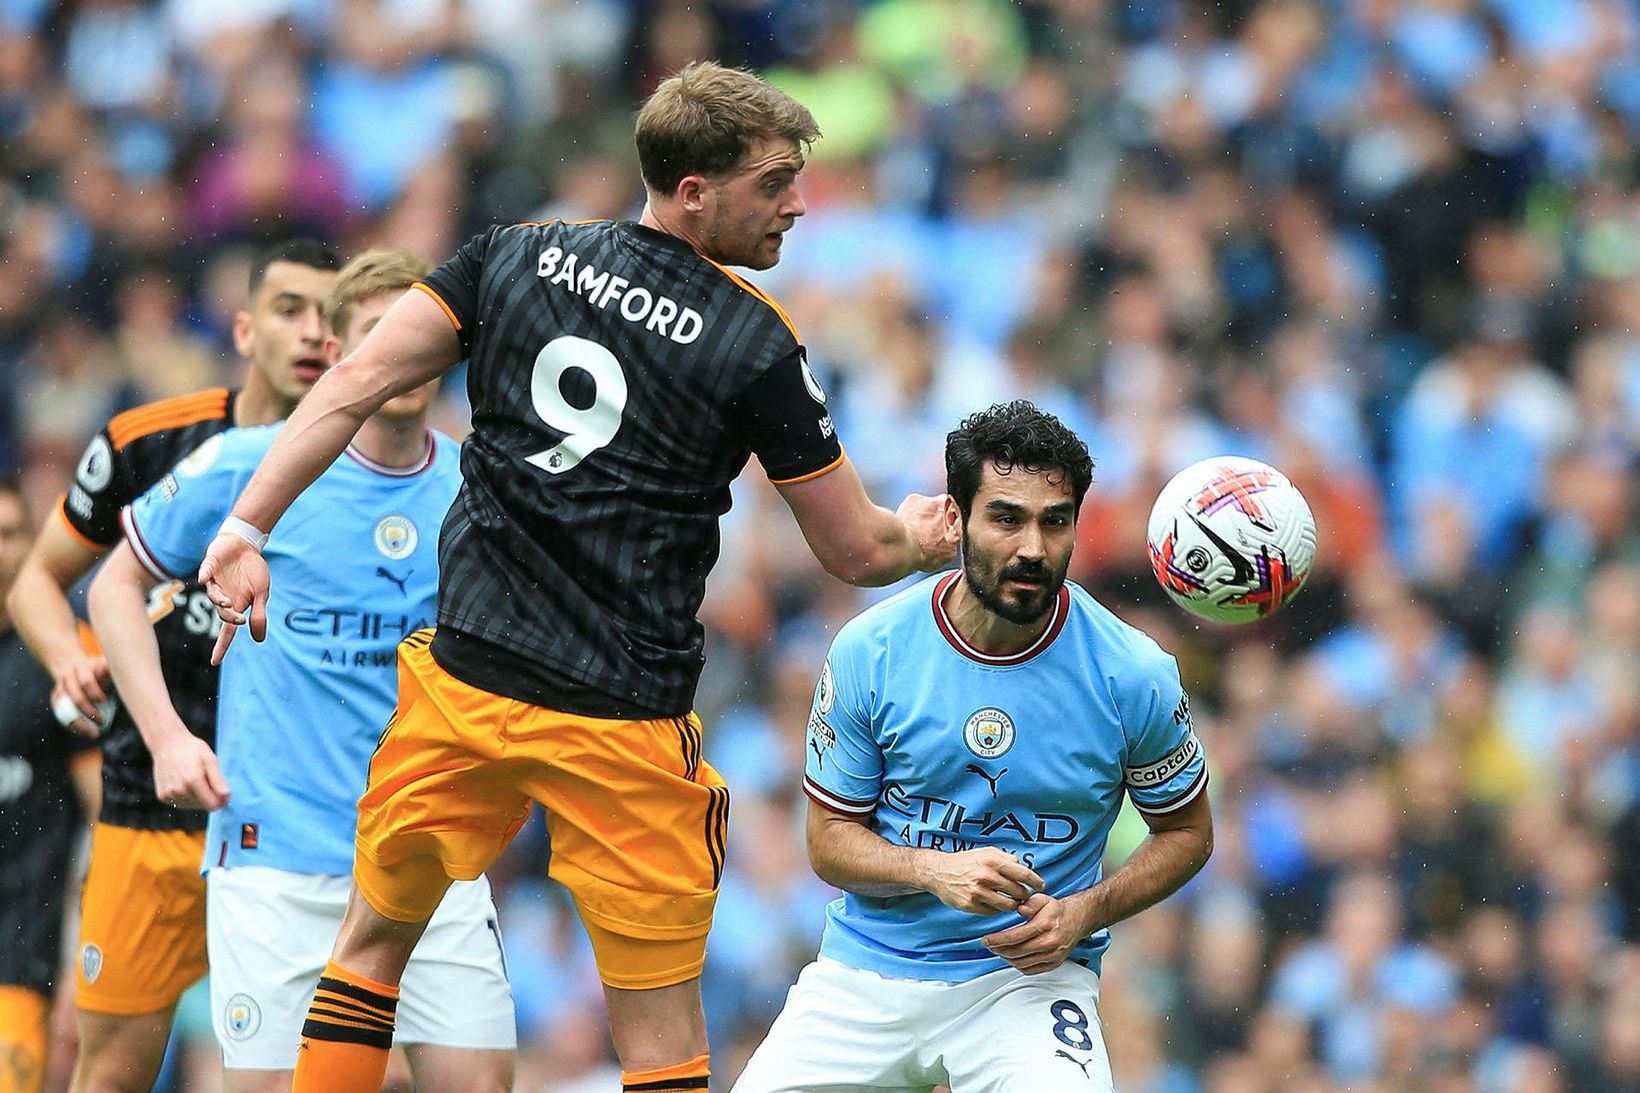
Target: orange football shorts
142	920
636	816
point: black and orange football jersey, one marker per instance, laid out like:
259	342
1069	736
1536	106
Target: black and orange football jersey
135	450
619	382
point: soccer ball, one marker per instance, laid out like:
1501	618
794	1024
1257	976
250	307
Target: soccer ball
1230	539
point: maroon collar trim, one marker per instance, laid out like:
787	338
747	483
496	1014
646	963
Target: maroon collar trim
948	629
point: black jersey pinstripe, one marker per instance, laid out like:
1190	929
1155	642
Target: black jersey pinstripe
619	382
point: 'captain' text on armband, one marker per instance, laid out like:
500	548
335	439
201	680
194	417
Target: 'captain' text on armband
635	303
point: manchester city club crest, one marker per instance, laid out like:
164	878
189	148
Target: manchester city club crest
242	1017
90	963
396	537
989	733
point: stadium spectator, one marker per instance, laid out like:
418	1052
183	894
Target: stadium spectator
1359	207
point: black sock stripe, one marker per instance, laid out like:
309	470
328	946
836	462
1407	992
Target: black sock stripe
666	1085
321	1012
313	1029
367	1009
362	994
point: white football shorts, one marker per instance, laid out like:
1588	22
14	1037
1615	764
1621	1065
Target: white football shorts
269	934
845	1030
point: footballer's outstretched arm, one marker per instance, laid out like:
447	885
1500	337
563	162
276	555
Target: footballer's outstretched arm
39	608
413	344
863	543
185	768
849	855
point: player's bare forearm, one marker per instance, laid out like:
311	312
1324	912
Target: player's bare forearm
413	344
849	855
1177	847
118	605
38	601
185	770
862	543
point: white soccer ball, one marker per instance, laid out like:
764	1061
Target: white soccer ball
1231	539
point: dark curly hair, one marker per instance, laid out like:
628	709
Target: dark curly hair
1009	435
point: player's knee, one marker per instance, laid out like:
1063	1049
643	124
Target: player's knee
461	1070
256	1081
120	1053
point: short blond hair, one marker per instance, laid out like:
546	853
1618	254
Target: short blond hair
701	120
381	269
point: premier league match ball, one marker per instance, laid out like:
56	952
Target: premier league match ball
1231	540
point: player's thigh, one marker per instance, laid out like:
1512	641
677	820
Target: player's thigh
270	934
638	821
442	799
142	920
454	992
1029	1033
827	1039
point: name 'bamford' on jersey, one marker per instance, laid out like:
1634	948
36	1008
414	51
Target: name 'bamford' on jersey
658	313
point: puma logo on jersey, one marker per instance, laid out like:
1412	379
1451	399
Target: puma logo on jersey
1082	1066
974	768
381	571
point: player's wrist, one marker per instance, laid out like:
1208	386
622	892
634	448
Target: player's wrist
1085	912
244	529
922	871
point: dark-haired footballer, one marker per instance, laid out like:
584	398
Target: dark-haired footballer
142	925
969	747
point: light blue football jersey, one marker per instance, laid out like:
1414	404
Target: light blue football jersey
946	748
354	566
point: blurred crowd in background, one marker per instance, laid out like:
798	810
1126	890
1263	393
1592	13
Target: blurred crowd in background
1391	246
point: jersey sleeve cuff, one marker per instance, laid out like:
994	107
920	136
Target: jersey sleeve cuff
827	469
79	536
1190	794
141	549
439	300
826	799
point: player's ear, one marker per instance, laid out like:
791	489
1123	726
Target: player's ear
244	340
953	515
333	349
692	193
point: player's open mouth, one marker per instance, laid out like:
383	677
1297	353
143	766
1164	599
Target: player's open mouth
308	368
